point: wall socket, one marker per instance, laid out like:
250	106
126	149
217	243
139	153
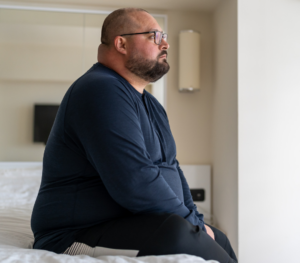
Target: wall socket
198	178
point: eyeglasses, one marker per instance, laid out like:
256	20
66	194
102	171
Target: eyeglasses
158	36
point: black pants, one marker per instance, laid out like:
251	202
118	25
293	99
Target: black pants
160	234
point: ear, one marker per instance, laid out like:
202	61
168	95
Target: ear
121	44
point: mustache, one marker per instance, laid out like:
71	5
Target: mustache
164	52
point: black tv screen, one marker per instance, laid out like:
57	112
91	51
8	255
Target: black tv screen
44	116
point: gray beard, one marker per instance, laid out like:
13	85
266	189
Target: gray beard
148	70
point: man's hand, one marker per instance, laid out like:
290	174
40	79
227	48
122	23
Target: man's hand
210	232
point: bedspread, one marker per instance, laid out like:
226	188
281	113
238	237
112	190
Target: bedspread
18	190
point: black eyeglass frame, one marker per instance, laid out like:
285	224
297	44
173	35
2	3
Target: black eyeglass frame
163	35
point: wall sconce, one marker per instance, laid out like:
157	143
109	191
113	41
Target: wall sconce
189	61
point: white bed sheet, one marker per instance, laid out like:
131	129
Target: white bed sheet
19	184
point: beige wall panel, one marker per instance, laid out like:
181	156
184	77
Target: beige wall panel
190	114
36	62
38	45
41	28
225	137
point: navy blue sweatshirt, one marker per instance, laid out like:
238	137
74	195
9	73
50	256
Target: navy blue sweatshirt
110	154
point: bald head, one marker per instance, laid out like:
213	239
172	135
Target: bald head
119	22
135	57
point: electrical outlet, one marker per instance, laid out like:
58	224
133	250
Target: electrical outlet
198	195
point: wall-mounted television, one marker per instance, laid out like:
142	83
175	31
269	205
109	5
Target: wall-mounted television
44	116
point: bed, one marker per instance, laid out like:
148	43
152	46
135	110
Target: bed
19	184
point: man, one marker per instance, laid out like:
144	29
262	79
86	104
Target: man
111	183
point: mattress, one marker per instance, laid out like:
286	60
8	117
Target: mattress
19	184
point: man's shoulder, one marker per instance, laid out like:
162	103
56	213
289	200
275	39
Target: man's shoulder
102	86
101	75
99	79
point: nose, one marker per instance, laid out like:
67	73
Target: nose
164	44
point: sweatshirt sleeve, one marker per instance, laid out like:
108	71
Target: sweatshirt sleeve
106	122
188	200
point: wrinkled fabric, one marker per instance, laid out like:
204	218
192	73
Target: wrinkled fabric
10	254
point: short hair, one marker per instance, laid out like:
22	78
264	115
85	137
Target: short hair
117	22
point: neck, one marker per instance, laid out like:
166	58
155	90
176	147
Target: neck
136	82
113	61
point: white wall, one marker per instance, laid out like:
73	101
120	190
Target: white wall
224	120
269	129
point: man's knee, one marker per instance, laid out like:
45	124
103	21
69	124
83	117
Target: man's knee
176	227
178	236
173	236
224	242
220	237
